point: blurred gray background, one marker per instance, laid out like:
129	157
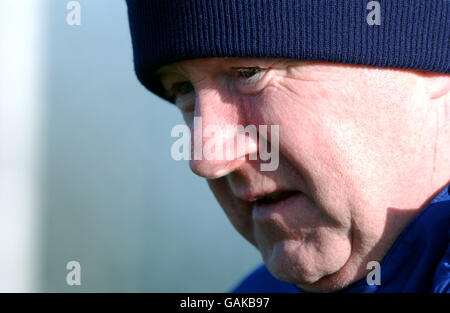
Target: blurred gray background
112	197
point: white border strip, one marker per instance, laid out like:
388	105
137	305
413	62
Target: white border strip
22	32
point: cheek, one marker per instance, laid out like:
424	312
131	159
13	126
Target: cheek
310	124
318	136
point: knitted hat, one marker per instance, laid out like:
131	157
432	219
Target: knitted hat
410	34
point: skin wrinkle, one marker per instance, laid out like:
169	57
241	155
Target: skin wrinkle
355	140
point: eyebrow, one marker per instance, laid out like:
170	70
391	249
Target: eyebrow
162	70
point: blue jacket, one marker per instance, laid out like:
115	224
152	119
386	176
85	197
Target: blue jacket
418	261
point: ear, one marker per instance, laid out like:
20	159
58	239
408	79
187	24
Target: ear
437	85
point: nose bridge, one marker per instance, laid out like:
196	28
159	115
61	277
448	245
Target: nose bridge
214	131
214	108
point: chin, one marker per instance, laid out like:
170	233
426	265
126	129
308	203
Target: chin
307	267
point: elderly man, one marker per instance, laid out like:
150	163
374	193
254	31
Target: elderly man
360	92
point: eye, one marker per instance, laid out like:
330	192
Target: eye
182	88
249	80
247	72
183	96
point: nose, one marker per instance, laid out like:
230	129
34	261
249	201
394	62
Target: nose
218	145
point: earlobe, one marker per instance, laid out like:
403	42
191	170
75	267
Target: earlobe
438	85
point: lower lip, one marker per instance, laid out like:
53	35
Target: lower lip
265	211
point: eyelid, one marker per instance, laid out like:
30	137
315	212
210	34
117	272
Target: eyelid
169	78
238	69
170	90
254	84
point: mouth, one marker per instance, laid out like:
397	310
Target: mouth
274	197
272	205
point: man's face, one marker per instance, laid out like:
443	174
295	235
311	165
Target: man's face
349	142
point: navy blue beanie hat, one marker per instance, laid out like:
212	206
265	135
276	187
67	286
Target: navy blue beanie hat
412	34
